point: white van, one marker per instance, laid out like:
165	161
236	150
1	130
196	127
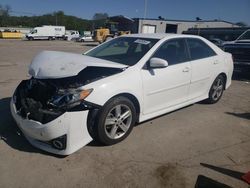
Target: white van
48	32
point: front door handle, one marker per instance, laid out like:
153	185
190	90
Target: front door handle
186	69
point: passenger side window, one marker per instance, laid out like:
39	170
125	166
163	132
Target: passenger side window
174	51
199	49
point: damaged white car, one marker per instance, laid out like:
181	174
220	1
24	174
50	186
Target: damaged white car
72	99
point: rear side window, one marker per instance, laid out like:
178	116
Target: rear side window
199	49
174	51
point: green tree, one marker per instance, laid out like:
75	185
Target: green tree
59	18
99	20
100	16
5	10
4	14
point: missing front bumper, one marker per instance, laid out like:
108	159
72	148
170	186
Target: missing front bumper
72	124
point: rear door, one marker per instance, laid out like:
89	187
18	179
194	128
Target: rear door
204	62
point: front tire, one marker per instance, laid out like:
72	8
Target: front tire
116	120
216	90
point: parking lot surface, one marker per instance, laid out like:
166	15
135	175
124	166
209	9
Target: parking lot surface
163	152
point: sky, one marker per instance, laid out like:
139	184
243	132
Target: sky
228	10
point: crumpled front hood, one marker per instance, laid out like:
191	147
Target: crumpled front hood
53	64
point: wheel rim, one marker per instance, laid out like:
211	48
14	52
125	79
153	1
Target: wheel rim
217	89
118	121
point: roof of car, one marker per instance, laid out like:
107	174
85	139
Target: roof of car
158	35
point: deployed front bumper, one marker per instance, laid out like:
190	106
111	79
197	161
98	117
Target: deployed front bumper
70	126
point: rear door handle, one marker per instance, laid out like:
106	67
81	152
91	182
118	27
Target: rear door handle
186	69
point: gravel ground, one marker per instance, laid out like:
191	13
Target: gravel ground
163	152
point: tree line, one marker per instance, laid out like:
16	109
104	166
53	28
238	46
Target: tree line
56	18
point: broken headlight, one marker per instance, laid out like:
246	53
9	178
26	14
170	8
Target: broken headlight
69	98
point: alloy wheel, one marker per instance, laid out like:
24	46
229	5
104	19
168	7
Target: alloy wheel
217	89
118	121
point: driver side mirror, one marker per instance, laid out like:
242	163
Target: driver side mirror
157	63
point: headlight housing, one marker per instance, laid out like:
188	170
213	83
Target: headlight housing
69	98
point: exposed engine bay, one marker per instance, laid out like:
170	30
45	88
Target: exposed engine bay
44	100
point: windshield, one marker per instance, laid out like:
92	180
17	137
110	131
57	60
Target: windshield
33	31
124	50
245	36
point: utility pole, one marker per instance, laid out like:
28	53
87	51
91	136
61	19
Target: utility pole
145	8
56	18
145	14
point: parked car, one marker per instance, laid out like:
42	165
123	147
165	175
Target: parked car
72	99
85	38
240	49
217	42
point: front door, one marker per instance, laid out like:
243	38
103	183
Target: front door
169	86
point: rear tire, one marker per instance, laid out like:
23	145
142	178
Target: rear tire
116	120
216	90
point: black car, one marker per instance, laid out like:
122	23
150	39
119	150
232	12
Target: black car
240	49
217	42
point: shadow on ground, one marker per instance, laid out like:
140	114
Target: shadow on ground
11	134
205	182
240	115
90	44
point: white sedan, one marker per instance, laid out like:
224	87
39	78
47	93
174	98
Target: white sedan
72	99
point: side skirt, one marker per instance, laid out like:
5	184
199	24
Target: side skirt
170	109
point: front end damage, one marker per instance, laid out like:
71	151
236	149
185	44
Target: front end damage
53	113
41	101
